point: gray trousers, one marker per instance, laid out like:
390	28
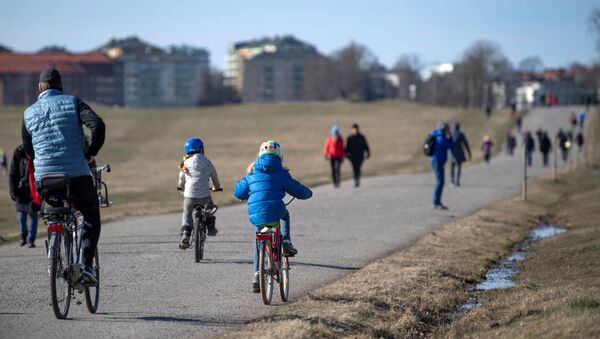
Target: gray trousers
187	221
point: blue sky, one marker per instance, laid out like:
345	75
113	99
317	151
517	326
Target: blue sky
439	31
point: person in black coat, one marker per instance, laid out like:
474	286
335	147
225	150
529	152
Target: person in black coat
20	193
461	144
545	147
356	150
529	143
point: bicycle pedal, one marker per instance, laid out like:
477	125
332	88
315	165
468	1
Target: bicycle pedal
78	302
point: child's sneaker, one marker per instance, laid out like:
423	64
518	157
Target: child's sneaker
288	249
185	242
255	283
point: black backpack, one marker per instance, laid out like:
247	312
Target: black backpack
429	145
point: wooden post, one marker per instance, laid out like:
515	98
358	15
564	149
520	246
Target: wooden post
525	164
555	159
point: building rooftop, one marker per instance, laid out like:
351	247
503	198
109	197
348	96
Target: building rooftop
66	63
287	42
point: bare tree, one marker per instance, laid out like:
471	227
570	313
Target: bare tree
408	67
217	92
594	22
353	63
482	64
531	64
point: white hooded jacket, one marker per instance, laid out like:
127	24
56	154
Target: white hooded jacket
194	180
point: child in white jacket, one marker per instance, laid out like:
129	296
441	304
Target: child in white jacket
195	172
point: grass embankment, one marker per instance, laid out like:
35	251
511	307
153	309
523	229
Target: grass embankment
417	291
144	147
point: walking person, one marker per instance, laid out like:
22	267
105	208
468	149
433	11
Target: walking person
3	162
529	144
443	143
545	147
486	147
334	152
563	144
581	119
519	123
579	140
461	144
21	185
53	137
357	149
511	143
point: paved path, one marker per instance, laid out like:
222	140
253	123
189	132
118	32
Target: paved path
152	289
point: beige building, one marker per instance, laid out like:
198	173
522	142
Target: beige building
280	69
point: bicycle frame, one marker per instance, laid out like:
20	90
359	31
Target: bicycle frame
271	240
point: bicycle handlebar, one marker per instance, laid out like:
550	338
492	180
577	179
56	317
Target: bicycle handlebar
105	167
290	201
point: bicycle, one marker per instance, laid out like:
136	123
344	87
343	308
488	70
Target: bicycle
273	265
64	244
201	215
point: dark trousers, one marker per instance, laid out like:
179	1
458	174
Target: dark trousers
336	176
455	179
545	158
85	199
356	165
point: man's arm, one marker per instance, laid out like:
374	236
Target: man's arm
27	141
96	125
366	146
466	143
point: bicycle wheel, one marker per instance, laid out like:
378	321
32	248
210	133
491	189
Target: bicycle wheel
60	289
92	294
265	279
199	236
284	277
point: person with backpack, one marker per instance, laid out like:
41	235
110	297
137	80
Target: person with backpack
357	149
436	146
458	154
21	185
529	143
334	152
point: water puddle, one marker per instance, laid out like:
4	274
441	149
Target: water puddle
500	274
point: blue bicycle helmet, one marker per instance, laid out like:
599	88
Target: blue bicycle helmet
193	145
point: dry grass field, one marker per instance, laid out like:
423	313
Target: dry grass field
144	146
416	292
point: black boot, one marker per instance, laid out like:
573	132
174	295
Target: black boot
23	240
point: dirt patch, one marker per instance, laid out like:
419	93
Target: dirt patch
418	291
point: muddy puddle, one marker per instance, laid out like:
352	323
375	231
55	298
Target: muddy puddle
500	274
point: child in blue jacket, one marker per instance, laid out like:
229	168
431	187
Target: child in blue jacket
264	187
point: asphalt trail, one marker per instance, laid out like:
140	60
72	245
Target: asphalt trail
150	288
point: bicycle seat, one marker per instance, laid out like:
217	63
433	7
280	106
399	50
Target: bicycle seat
54	185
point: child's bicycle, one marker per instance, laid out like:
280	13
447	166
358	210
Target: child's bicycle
273	265
200	216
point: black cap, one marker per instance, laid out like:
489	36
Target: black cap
51	76
355	126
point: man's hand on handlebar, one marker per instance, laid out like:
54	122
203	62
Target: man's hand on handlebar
179	188
220	189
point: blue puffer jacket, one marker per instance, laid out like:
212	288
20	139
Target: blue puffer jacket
265	189
57	135
442	145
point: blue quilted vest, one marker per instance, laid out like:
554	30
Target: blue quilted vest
57	135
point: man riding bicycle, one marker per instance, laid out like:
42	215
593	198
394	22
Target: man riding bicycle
53	137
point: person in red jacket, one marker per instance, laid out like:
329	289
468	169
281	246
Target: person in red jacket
335	152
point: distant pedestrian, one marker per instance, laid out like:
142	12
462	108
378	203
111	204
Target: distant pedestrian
513	107
563	144
443	143
579	140
22	190
357	149
461	144
545	147
334	152
581	119
511	143
519	123
486	147
3	162
573	119
529	144
488	110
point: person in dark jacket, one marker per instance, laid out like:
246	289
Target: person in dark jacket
529	143
511	143
27	201
562	138
265	186
53	137
461	144
443	143
545	147
357	149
